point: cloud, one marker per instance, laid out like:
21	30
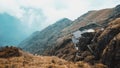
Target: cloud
11	7
37	14
28	16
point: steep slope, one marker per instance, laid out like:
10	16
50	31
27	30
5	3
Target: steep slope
55	34
41	40
98	16
111	45
104	42
115	14
92	19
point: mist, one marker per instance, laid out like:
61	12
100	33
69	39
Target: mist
12	31
20	18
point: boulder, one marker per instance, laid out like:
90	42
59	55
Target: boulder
106	36
6	52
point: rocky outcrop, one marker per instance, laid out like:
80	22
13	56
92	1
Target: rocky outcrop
111	55
6	52
107	35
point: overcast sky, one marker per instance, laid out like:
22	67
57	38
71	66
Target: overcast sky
37	14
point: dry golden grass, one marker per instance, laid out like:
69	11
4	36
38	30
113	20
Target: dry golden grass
35	62
40	62
99	66
27	60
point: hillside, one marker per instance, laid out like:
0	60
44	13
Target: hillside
21	59
96	16
55	34
105	46
104	43
97	47
41	40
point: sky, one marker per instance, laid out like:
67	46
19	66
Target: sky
41	13
38	14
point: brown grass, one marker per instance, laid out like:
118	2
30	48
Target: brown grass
40	62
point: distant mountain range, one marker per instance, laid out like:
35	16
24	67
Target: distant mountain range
11	32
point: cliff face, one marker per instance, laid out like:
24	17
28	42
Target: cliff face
41	40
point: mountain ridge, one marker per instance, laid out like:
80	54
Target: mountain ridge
95	16
48	34
97	47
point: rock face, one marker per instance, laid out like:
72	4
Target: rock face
111	55
107	35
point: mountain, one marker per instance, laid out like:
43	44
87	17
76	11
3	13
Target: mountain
56	34
41	40
101	46
95	16
10	30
